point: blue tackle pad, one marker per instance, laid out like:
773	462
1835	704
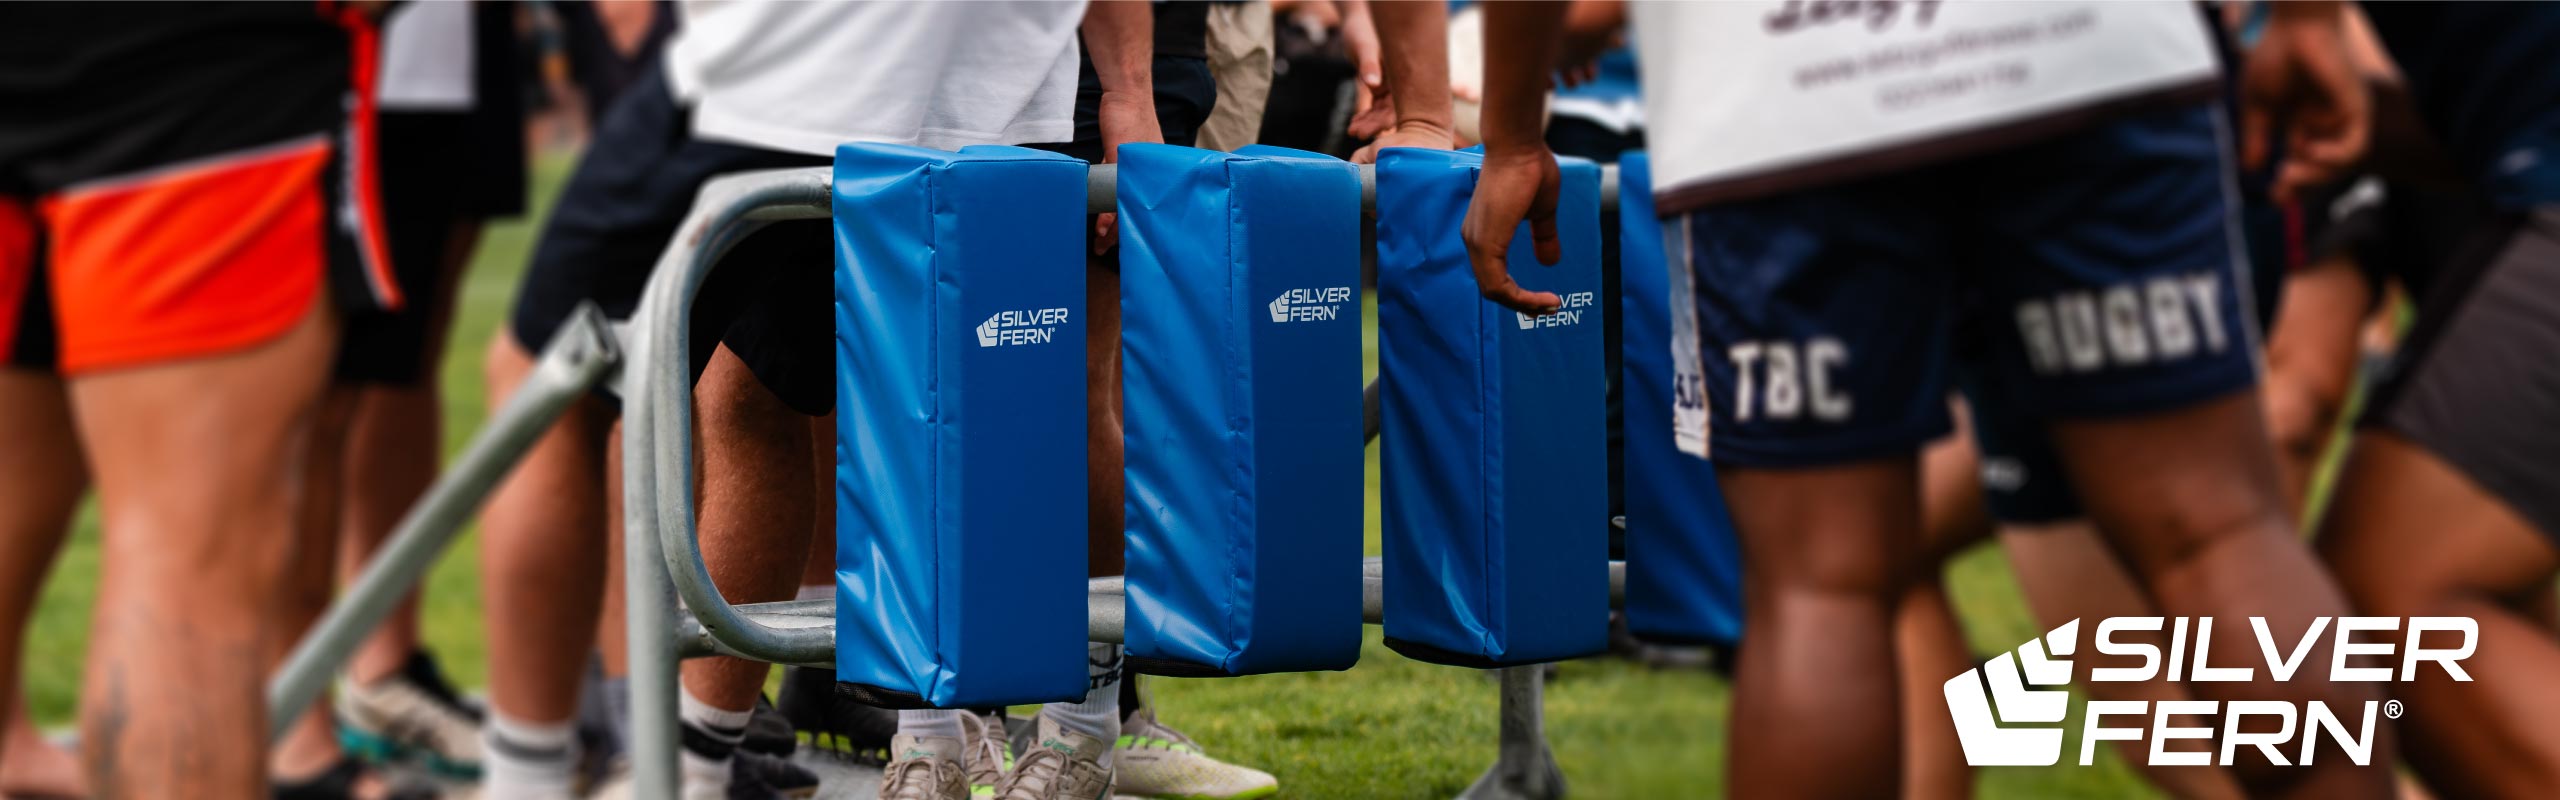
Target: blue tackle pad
1684	567
1493	451
960	425
1240	356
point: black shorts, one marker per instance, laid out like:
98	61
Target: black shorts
2477	383
438	170
127	143
768	300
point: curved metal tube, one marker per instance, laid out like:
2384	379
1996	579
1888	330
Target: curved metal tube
658	403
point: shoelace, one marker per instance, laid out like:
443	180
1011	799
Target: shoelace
1036	772
912	779
988	749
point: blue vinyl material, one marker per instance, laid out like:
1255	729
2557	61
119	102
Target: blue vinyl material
960	430
1240	356
1684	567
1493	451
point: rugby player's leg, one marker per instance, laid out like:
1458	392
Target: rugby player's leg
2124	320
756	515
1931	643
310	746
2312	356
1824	332
42	477
542	579
394	444
196	463
2191	500
2448	508
2067	573
2411	536
1825	551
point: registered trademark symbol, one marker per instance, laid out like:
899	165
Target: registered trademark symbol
2392	709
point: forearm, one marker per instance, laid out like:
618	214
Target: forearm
1520	45
1414	38
1120	35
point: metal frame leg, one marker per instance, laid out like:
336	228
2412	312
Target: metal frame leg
582	355
1525	768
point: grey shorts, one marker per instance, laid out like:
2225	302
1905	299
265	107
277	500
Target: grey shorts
2478	380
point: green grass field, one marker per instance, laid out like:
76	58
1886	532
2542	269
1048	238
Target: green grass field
1388	728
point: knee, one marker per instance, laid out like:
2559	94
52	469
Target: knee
2183	525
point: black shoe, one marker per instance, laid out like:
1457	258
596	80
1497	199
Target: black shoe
769	732
339	782
422	671
831	721
755	776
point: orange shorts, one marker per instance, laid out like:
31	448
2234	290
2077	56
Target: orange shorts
191	259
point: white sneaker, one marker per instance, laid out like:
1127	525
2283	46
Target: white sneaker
924	768
1061	765
1156	761
411	717
989	754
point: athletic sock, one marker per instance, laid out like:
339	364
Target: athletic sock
711	737
1098	714
815	591
528	760
928	723
616	693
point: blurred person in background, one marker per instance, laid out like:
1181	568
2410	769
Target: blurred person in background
740	87
451	157
199	244
2449	503
1842	247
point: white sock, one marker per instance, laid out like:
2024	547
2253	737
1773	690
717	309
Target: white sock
1098	715
815	591
528	760
712	739
926	723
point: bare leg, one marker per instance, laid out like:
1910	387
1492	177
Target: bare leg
197	463
1826	553
42	476
2067	573
820	569
613	634
1931	645
541	563
2414	537
2191	500
2311	367
311	745
36	767
393	448
756	510
1105	517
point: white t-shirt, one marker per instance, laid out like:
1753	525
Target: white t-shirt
805	77
427	58
1745	98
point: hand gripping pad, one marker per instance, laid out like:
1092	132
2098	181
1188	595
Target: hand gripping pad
1240	354
1684	568
1493	454
960	433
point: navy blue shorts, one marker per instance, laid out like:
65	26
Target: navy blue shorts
2101	267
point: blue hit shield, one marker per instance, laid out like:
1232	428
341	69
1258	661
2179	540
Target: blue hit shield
1684	568
1240	351
1493	454
960	428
